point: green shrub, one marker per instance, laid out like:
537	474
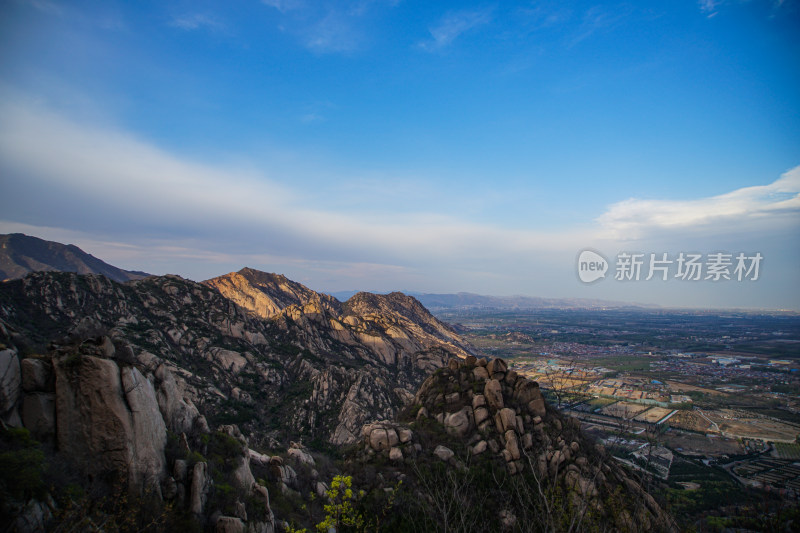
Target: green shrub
22	465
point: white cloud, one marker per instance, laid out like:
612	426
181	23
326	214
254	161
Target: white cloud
597	19
453	25
710	6
335	32
634	217
136	205
138	181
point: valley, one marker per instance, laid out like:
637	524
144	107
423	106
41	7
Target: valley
717	393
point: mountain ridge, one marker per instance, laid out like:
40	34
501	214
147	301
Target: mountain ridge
344	369
21	254
392	326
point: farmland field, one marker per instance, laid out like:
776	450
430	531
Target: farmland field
653	415
625	410
788	451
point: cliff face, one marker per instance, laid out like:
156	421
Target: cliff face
119	442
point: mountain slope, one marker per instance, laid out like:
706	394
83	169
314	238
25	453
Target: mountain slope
302	373
21	254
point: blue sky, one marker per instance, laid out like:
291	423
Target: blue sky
434	147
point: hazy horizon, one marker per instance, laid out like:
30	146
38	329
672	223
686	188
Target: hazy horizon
434	148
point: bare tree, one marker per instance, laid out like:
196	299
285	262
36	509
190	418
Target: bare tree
449	496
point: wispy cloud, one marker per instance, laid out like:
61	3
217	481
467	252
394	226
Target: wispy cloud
598	19
328	27
45	6
284	5
539	17
712	8
308	118
632	218
316	111
124	182
136	179
453	25
335	32
197	21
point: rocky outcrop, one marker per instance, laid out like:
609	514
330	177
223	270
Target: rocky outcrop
37	375
299	452
107	418
10	383
39	414
239	472
500	418
180	414
198	490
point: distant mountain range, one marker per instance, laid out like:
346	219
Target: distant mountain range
467	300
21	254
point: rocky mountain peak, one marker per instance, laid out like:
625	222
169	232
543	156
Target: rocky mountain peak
367	302
267	294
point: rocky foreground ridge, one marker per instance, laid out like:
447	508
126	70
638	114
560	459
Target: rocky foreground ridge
132	384
481	450
478	449
116	449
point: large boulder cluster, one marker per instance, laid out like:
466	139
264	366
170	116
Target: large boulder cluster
492	408
487	410
389	438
